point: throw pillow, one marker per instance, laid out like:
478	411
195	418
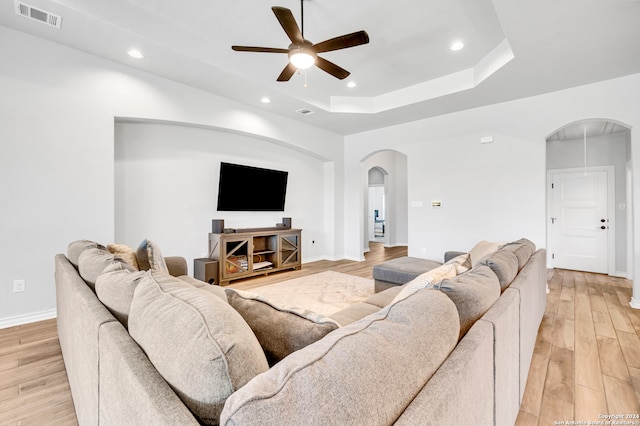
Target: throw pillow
125	253
92	262
461	262
115	288
75	249
473	294
482	250
505	265
150	257
429	279
280	330
198	343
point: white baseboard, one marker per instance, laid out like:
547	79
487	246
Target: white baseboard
27	318
635	303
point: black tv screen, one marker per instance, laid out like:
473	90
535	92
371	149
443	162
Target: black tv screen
246	188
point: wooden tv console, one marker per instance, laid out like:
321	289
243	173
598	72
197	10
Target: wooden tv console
248	253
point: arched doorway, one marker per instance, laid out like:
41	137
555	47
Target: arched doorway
384	178
589	201
376	210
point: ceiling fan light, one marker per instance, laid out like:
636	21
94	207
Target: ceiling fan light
302	57
302	60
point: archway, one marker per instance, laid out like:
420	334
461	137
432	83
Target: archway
589	215
384	172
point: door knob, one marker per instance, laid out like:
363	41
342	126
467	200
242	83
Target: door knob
602	220
603	227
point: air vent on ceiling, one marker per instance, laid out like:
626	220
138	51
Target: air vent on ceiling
305	111
29	11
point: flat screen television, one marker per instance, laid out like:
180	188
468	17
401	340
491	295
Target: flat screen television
246	188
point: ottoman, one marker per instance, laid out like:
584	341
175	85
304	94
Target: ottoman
400	271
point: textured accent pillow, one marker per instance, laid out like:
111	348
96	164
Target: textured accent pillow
76	248
280	330
115	288
504	264
461	262
429	279
198	343
473	294
482	250
125	253
92	262
365	373
523	249
150	257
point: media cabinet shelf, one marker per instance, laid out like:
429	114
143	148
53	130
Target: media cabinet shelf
247	254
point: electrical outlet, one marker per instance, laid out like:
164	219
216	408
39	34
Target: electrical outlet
19	286
423	250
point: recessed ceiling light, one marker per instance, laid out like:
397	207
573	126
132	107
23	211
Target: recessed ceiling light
265	100
135	53
456	45
351	84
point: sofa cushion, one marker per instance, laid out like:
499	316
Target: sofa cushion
198	343
76	248
115	288
427	280
93	261
385	297
353	313
364	373
523	249
125	253
150	257
473	294
504	264
280	330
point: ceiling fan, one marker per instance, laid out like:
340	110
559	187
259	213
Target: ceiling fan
302	53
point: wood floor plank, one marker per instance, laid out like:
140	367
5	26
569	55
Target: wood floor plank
532	397
587	365
563	333
560	374
621	397
612	360
589	403
620	319
630	345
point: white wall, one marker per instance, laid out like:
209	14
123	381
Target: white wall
167	187
601	151
492	191
57	112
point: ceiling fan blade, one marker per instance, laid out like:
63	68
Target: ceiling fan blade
259	49
342	42
287	72
331	68
289	24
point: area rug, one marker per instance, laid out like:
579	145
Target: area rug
325	292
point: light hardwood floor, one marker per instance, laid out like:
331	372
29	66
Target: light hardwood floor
586	361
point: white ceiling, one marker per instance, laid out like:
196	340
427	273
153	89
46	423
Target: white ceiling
513	49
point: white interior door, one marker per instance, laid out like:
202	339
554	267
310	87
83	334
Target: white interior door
579	222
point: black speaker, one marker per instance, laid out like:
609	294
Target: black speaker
286	221
217	226
205	269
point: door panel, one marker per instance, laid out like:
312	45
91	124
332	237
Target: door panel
579	213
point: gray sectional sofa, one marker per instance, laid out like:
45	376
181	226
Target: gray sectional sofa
146	347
